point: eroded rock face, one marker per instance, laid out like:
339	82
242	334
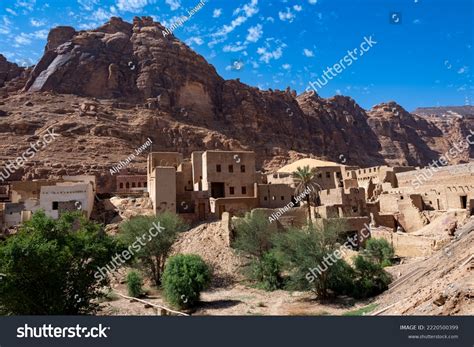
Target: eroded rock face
407	139
8	71
107	90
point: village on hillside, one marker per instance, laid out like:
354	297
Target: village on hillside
422	213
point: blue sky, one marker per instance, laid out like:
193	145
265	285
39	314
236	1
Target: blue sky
423	55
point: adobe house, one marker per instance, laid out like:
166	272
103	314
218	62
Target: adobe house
72	193
211	182
347	208
329	174
449	187
131	184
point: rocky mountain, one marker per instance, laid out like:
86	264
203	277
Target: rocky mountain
107	90
446	111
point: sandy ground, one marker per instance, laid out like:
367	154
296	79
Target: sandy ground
441	284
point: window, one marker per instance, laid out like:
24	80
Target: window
133	185
127	185
328	175
282	197
139	184
231	190
265	198
121	185
231	168
242	169
218	168
55	205
320	175
244	190
145	184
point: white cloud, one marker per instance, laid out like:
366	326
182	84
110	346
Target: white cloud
22	39
132	5
308	53
27	5
297	8
234	48
40	34
173	4
87	5
102	15
286	16
9	10
270	19
255	33
286	66
247	11
266	55
37	22
313	2
5	27
463	69
195	39
217	13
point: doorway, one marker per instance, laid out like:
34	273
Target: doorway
217	190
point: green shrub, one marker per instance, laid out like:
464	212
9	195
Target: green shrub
304	253
134	284
253	235
151	238
185	276
267	272
370	278
51	266
380	251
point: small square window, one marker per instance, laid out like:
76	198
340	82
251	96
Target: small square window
242	169
55	205
133	185
328	175
218	168
244	190
231	190
231	168
265	198
282	197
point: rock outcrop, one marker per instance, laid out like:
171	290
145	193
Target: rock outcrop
107	90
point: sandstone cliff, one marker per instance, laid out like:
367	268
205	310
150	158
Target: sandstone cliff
107	90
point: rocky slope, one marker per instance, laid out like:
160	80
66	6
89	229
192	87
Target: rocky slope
107	90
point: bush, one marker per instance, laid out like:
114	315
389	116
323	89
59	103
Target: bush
305	250
51	266
185	276
152	249
267	271
253	235
134	284
369	279
380	251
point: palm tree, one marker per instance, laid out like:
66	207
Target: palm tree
306	186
